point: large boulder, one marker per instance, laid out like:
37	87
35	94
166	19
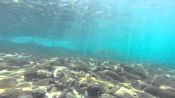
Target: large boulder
158	80
95	90
160	92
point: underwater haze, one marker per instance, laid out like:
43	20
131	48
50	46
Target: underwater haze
141	31
87	48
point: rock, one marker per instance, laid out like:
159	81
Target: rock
118	68
137	70
84	68
61	61
93	74
158	80
61	86
23	85
13	93
51	88
162	93
17	62
42	74
7	67
8	83
125	93
48	67
64	93
144	95
107	96
124	96
43	82
130	76
101	68
2	67
53	94
71	95
38	93
54	63
153	90
127	68
60	75
138	84
114	75
95	90
31	74
113	89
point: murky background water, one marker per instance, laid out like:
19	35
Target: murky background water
123	30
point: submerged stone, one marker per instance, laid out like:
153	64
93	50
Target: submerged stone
114	75
34	74
38	93
42	82
95	90
162	93
144	95
138	84
158	80
136	70
130	75
31	74
124	93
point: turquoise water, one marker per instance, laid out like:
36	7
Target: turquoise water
124	30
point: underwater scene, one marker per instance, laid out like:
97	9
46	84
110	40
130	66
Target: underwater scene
87	49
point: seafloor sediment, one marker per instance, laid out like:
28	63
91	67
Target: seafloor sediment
68	77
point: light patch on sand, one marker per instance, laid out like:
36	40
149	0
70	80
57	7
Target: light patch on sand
52	94
53	59
159	69
4	71
21	71
124	91
165	87
106	83
126	85
31	62
168	75
2	91
27	89
16	1
9	73
3	77
20	80
8	55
